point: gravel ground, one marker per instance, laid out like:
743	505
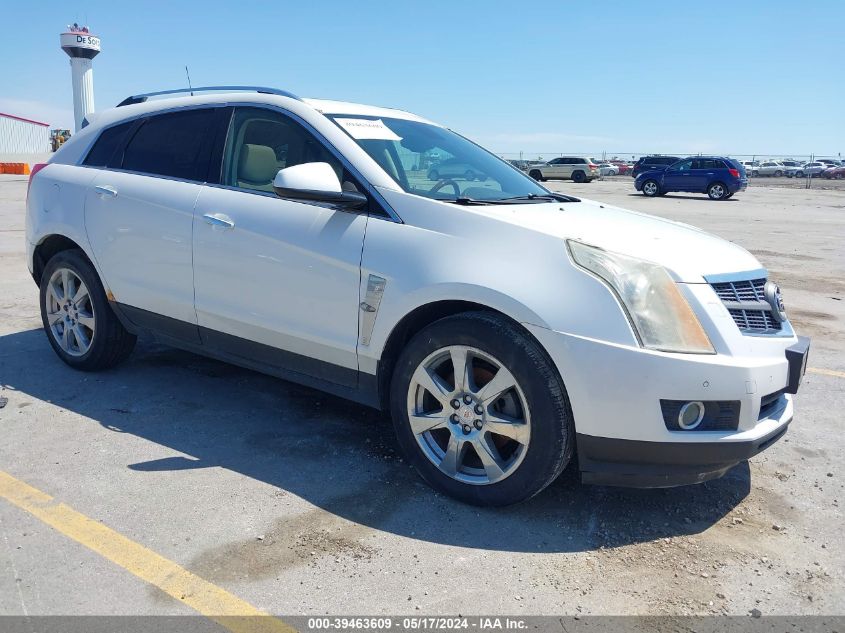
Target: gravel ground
298	503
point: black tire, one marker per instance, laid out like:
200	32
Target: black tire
552	434
111	342
778	173
727	197
651	188
537	175
717	191
579	176
755	173
799	174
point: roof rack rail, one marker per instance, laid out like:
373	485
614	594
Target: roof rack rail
141	98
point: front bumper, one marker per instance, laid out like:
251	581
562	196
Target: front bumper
634	464
615	393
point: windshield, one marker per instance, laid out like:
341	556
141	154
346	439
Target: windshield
431	161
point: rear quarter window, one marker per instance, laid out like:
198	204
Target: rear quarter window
171	145
106	145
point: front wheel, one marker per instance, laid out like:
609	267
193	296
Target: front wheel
717	191
80	325
480	411
651	188
778	173
537	175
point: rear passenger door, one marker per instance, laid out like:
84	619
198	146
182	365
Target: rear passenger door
139	216
702	173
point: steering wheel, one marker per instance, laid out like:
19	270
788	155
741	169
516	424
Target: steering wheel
446	181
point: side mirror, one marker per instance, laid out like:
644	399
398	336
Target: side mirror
315	182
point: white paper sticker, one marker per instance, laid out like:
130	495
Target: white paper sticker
368	129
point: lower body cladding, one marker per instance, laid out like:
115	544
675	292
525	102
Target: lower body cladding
632	425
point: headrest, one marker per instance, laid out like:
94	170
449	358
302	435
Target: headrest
257	163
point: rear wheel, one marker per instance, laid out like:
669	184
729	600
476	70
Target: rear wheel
799	174
778	173
80	325
651	188
579	176
537	175
480	410
717	191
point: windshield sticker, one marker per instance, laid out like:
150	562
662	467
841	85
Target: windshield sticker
368	130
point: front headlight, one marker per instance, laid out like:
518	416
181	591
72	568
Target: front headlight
659	314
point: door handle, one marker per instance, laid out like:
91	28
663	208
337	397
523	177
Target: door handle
219	219
106	190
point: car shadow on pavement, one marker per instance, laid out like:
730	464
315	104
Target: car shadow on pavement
691	196
339	456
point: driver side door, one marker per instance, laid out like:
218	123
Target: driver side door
276	280
677	176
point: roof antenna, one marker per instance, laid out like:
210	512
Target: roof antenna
189	80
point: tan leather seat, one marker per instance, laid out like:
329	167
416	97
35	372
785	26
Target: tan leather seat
257	166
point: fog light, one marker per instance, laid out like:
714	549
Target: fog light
691	415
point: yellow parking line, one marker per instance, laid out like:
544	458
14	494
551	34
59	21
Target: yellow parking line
213	602
826	372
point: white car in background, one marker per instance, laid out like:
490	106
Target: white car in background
608	169
505	327
769	168
750	167
792	168
813	169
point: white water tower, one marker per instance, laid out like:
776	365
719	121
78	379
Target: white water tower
82	47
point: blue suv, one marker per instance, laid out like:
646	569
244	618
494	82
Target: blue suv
717	176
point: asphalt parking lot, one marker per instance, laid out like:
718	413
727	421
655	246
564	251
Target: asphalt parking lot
295	502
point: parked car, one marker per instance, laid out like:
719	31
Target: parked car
453	168
791	168
750	166
522	165
608	169
623	167
285	235
834	172
646	163
830	162
814	169
577	168
717	176
769	168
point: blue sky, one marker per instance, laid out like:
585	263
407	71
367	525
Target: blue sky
563	76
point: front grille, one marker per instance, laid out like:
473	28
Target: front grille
747	305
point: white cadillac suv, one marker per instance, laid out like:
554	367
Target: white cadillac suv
506	328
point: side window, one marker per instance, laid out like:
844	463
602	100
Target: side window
261	142
684	165
172	144
105	146
707	163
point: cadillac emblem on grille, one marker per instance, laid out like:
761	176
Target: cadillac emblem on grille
775	299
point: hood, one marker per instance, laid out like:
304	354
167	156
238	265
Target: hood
686	251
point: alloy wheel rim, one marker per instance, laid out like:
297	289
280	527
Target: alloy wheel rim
70	313
469	415
650	188
716	191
